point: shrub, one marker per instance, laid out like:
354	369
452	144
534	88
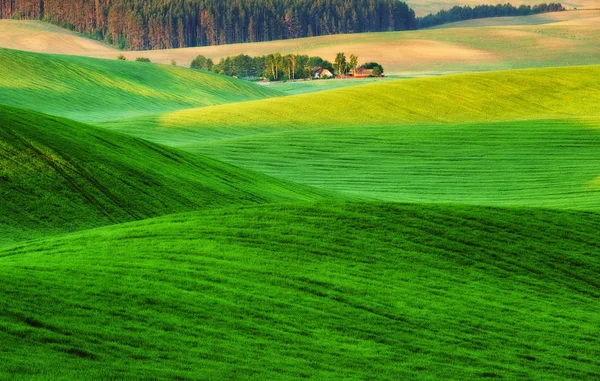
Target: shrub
121	57
142	59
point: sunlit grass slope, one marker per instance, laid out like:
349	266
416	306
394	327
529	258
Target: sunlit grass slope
313	86
57	175
549	163
88	89
325	291
506	95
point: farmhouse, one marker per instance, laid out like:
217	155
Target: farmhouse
362	72
322	73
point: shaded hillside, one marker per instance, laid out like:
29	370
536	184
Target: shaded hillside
88	89
57	175
329	291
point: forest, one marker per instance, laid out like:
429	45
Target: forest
458	13
164	24
160	24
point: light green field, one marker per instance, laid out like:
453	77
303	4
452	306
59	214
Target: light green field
313	86
57	175
544	163
527	137
554	93
328	290
89	89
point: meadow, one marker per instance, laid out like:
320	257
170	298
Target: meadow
89	90
324	290
162	223
58	175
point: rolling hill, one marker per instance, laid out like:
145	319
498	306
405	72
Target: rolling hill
57	175
525	138
182	225
326	290
89	90
550	93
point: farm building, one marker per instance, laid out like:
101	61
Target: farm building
321	73
362	72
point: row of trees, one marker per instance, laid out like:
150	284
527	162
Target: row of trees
158	24
277	67
458	13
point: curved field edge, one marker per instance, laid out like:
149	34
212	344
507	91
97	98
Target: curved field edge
88	89
554	93
57	175
326	290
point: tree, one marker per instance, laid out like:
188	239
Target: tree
201	63
274	64
121	57
353	63
340	64
377	71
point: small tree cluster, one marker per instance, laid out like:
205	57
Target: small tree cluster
142	59
377	68
274	67
202	63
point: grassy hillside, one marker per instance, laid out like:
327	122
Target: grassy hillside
329	291
87	89
536	163
305	87
499	96
57	175
525	137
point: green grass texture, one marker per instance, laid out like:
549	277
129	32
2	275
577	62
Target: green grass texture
57	175
87	89
554	93
327	291
543	163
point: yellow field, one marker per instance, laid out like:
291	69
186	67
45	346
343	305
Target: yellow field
423	7
36	36
554	39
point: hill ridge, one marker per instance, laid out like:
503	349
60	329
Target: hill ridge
60	175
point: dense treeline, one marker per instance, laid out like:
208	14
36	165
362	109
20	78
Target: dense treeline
158	24
458	13
161	24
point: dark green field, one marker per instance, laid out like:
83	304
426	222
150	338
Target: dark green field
160	223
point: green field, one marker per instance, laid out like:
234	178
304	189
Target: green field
532	141
58	175
326	290
544	163
565	92
89	90
160	223
313	86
